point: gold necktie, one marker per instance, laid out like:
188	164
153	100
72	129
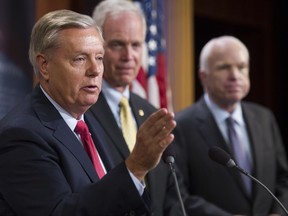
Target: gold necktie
127	123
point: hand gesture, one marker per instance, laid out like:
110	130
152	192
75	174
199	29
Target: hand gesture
152	139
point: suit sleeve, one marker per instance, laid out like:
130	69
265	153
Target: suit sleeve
281	189
36	180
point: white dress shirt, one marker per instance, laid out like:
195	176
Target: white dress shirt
220	117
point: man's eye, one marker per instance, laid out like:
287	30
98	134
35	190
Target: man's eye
136	46
223	67
80	59
242	67
99	58
115	46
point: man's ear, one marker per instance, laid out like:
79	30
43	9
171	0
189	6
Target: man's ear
42	65
201	75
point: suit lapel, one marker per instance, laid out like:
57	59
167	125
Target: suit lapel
68	139
208	127
51	119
258	144
256	140
101	111
139	112
97	134
211	134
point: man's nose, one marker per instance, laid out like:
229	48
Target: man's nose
95	67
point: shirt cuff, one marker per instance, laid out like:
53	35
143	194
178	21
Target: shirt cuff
140	185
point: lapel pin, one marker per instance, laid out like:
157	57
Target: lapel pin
141	112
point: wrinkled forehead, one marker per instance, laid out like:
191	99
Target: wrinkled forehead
231	52
123	20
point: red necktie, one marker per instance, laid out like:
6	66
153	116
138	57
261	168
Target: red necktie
82	129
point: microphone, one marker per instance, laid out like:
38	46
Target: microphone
168	157
222	157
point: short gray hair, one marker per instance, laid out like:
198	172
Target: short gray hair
45	32
209	46
114	7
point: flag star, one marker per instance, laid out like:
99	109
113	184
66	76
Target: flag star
152	45
153	29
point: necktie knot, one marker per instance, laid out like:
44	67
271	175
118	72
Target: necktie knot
230	121
81	128
124	103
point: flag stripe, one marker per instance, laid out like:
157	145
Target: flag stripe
152	75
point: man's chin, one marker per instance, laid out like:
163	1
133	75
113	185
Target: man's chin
91	101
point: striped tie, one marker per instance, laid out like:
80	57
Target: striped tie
129	129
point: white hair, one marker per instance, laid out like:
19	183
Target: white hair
206	51
114	7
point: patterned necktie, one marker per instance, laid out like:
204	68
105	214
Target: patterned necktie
82	129
239	153
129	129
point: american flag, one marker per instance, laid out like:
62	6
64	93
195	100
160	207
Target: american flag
151	80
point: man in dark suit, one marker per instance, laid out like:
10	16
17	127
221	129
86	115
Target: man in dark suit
124	29
224	73
44	168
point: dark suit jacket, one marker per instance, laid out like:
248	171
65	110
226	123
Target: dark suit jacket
197	131
44	170
160	183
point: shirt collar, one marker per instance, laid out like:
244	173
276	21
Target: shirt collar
68	118
221	115
114	95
